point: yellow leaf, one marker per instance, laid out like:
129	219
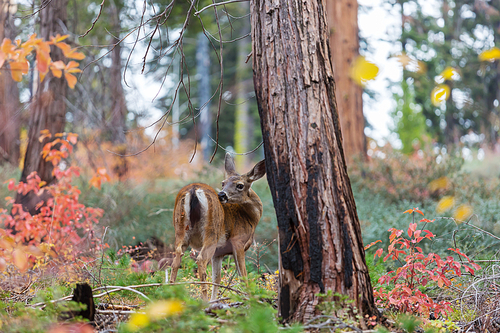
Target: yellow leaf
445	204
463	212
137	321
363	71
439	94
490	55
450	73
438	184
162	309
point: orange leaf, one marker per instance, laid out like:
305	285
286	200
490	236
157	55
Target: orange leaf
372	243
58	38
96	182
72	137
71	79
408	211
18	68
44	134
2	58
73	54
42	61
20	259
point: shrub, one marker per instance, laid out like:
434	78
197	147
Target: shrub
416	270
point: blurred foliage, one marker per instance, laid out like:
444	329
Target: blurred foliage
384	187
409	121
456	47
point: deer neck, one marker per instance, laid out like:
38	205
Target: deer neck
250	208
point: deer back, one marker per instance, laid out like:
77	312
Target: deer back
198	215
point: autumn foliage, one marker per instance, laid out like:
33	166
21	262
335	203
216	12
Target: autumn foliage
16	56
407	284
62	229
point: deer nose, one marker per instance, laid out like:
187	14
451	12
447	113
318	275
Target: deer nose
222	197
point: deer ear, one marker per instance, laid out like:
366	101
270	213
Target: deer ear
258	171
229	166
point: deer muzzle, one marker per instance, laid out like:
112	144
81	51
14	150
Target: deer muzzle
223	197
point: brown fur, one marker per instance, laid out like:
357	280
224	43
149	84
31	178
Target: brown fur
228	227
200	229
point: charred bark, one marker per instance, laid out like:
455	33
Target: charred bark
344	48
320	237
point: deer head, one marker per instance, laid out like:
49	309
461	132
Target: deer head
236	187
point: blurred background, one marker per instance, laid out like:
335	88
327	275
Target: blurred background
159	102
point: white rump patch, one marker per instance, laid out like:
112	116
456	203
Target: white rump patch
186	206
203	199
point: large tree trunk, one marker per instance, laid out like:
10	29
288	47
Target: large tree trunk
320	237
48	107
344	47
9	95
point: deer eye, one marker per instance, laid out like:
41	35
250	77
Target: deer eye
240	186
222	184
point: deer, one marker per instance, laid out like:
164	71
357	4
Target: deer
217	224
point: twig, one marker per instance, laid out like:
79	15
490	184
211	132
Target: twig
131	288
233	153
94	21
218	4
116	288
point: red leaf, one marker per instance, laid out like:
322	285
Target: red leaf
419	211
378	253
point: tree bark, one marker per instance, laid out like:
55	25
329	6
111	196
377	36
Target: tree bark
344	47
118	105
9	95
319	233
243	129
48	107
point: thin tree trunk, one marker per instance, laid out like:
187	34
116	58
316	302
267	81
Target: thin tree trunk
242	133
320	237
117	96
9	95
48	107
344	47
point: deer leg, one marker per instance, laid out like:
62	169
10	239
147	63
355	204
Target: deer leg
239	257
204	257
179	252
216	275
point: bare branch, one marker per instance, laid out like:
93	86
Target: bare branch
218	4
95	20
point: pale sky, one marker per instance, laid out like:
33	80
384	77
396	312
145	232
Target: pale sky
379	24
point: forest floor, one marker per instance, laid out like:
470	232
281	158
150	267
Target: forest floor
129	287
